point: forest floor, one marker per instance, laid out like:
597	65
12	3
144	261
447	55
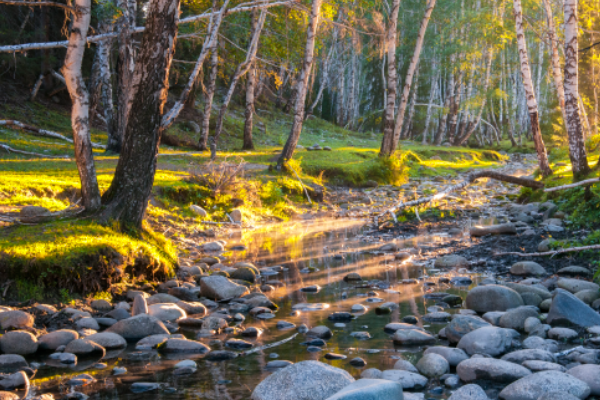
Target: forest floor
181	180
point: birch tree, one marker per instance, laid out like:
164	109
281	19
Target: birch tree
555	59
302	82
577	152
532	106
80	122
208	99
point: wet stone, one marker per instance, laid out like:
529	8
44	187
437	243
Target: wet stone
358	362
334	356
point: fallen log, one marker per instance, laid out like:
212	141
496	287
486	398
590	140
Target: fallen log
41	132
29	153
549	253
572	185
478	231
468	180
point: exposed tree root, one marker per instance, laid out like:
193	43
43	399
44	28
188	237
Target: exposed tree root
549	253
41	132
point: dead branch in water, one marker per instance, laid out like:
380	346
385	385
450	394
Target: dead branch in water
41	132
549	253
468	180
268	346
572	185
28	153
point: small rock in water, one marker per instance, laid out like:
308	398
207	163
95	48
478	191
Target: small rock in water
273	355
311	289
278	364
119	370
358	362
140	387
339	325
334	356
361	335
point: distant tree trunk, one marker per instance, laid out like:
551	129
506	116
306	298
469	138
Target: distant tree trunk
127	197
208	99
528	86
80	122
292	141
387	144
411	107
577	152
241	70
432	93
455	107
249	113
555	59
409	76
324	75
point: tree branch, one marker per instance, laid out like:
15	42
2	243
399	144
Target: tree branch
549	253
41	132
28	153
572	185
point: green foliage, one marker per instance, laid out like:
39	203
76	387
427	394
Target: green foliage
389	170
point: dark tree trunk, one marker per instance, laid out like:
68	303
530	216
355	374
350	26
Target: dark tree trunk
127	198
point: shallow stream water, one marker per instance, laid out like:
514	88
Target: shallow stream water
312	253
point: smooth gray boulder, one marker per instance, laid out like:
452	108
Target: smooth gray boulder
370	389
108	340
186	346
53	340
433	365
321	332
590	374
138	327
562	334
306	380
15	319
515	318
519	356
18	342
576	285
84	347
166	311
537	366
492	298
463	324
522	289
488	340
11	362
566	309
557	395
527	268
406	365
217	287
451	262
453	355
499	229
533	386
490	369
140	305
408	380
469	392
412	337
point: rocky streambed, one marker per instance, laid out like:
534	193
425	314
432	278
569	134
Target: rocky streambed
345	308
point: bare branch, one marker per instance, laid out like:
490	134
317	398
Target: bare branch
549	253
28	153
41	132
572	185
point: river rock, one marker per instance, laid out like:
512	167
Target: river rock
487	340
527	268
160	298
18	342
539	343
588	296
212	247
321	332
490	369
433	365
108	340
306	380
84	347
573	270
118	314
87	323
175	346
452	355
469	392
522	289
369	389
492	298
576	285
406	365
220	288
412	337
566	309
238	344
14	381
537	366
408	380
533	386
531	324
11	362
557	395
563	334
53	340
138	327
461	325
590	374
166	311
451	261
515	318
519	356
499	229
15	319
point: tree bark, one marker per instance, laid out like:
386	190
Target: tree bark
210	93
324	75
577	152
387	144
127	198
80	122
555	59
250	88
292	141
532	106
409	77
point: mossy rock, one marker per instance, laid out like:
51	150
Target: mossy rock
244	273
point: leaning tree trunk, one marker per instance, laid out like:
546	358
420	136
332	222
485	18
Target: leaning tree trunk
409	76
127	198
532	106
387	144
250	88
577	152
80	122
208	99
292	141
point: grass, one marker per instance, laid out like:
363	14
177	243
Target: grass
82	257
